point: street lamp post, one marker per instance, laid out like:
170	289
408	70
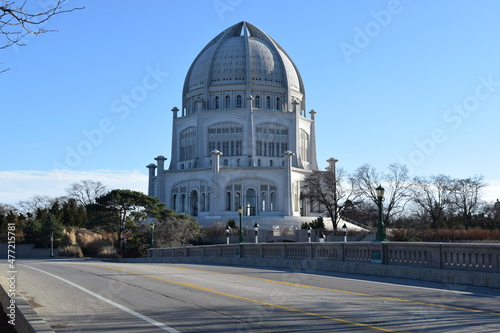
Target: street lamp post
52	241
228	230
256	229
344	230
333	169
240	231
381	237
309	233
152	235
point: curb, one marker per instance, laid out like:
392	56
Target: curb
27	319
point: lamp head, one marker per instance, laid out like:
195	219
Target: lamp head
380	192
240	210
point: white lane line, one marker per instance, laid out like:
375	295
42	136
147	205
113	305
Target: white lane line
119	306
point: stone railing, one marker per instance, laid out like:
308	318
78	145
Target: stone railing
464	257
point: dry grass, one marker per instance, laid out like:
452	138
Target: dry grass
82	242
70	251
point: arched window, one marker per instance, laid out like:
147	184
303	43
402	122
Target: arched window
216	102
268	102
278	103
303	204
227	102
228	201
271	163
258	162
272	203
174	202
263	200
250	203
238	101
304	145
183	203
271	140
237	200
187	143
226	137
194	203
202	203
257	101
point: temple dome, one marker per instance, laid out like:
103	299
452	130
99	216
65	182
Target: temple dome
243	57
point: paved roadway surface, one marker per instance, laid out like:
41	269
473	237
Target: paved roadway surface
95	296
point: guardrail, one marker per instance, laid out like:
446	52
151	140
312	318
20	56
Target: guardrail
464	257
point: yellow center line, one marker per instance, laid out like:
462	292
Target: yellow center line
248	299
340	291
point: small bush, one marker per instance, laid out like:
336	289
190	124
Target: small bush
95	245
68	238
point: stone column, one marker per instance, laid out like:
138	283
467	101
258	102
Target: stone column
312	142
151	183
215	187
288	195
251	132
175	142
160	178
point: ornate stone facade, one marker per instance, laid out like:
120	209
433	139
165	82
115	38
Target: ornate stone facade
242	136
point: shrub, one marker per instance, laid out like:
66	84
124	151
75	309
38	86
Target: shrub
68	238
95	245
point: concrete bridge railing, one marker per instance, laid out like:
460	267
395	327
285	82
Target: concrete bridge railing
470	257
474	264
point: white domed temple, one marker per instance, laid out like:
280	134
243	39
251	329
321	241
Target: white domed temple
243	136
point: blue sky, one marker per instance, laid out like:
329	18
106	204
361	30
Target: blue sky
414	82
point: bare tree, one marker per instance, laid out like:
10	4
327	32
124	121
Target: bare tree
466	195
433	196
36	202
396	182
17	21
86	191
366	179
6	208
331	191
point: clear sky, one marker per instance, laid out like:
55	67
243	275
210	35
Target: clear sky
414	82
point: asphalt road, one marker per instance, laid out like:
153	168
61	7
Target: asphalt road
95	296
